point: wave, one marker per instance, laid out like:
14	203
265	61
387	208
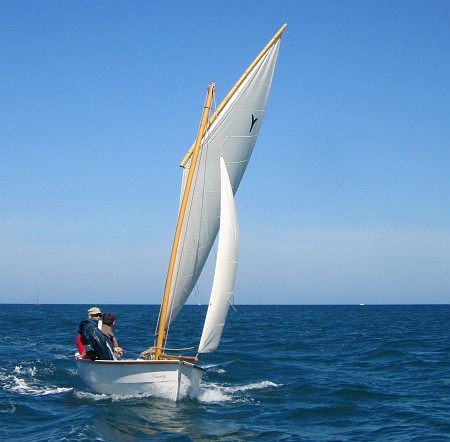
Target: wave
7	408
217	368
219	393
100	397
23	381
18	385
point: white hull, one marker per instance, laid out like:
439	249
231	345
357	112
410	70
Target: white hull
172	380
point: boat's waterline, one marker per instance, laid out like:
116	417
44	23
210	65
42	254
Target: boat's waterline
172	380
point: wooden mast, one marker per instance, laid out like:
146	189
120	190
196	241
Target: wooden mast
195	151
235	87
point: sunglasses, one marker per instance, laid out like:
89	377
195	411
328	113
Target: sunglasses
97	315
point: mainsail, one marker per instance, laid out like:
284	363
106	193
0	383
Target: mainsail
232	134
226	264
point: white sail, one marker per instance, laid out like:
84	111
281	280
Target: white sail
232	134
226	265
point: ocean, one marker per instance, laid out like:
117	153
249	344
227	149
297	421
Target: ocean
281	373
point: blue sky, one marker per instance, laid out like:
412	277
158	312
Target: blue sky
346	198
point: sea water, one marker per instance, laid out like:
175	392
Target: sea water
281	373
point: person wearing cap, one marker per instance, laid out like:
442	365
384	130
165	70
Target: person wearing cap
90	341
95	314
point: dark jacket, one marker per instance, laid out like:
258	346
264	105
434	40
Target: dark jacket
94	341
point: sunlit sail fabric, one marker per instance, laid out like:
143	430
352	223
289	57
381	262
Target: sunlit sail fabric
226	265
232	134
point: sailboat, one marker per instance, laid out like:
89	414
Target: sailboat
211	173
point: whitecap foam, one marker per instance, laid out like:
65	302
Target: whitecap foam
211	392
219	370
213	395
254	386
92	396
110	397
31	371
18	385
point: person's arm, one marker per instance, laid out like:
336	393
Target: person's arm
118	351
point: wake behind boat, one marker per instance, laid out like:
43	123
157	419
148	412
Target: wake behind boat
212	171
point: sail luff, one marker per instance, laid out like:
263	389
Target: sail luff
181	214
236	86
222	291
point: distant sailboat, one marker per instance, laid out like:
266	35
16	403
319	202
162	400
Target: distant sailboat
212	171
38	304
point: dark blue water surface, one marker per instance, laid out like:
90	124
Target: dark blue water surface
281	373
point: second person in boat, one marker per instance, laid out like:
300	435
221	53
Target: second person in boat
108	323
